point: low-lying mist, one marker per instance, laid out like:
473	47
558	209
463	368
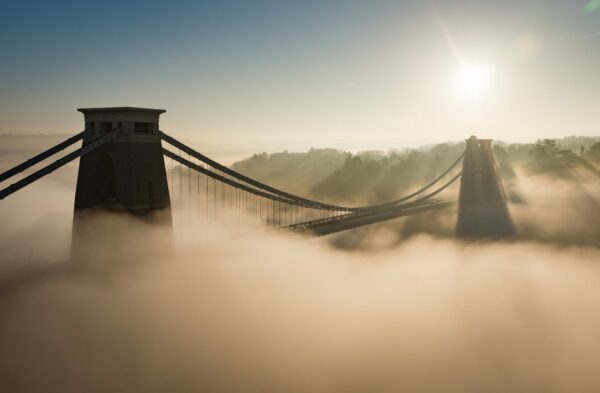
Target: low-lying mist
277	312
400	306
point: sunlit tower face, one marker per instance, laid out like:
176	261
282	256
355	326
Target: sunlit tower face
472	80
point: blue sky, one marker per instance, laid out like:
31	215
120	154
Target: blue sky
281	74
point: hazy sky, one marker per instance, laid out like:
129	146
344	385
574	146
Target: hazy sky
291	75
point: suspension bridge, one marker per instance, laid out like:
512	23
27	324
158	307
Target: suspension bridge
127	164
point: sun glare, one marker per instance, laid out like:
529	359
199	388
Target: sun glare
472	80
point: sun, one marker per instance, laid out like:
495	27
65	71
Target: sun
473	80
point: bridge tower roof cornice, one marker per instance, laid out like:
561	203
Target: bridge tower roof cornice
123	114
120	109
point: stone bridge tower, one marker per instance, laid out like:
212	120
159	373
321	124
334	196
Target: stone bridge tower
125	175
482	210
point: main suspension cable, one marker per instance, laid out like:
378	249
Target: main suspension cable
299	200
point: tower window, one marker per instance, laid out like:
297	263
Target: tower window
144	128
105	127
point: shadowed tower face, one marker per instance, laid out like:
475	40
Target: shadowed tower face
125	177
482	212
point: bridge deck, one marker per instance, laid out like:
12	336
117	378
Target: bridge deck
350	221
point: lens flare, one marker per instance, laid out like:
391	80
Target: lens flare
592	5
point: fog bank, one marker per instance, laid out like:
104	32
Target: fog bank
280	313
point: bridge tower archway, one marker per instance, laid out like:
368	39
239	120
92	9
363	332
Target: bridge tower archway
105	179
